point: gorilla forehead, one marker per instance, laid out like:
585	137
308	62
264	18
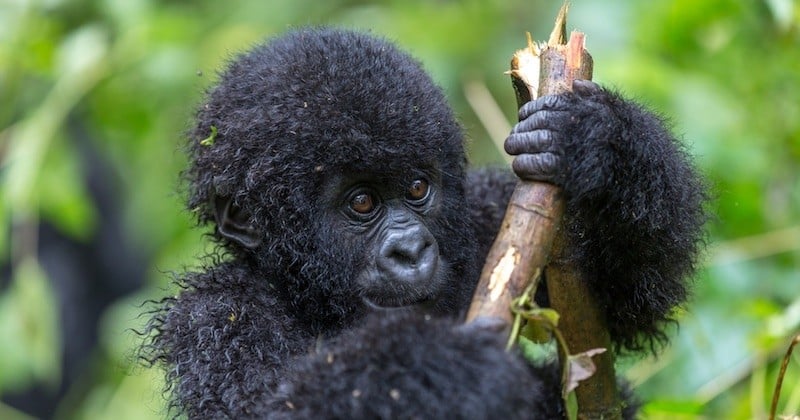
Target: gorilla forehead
335	95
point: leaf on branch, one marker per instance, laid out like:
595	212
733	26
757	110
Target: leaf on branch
540	324
579	367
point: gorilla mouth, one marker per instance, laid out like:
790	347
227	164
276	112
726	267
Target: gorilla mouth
426	302
381	291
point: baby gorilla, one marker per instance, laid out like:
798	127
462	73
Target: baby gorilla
335	174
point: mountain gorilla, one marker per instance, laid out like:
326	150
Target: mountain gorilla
334	173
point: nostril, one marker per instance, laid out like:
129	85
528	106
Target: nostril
402	258
408	252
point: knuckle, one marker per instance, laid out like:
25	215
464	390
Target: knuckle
551	101
550	160
527	109
547	139
511	145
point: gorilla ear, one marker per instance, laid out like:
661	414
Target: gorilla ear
233	223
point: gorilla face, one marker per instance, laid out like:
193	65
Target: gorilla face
402	263
337	170
376	238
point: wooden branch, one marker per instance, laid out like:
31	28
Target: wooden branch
522	247
521	251
583	327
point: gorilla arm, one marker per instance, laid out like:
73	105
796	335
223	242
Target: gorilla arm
634	216
402	364
226	340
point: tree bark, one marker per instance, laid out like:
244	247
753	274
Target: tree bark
532	224
522	247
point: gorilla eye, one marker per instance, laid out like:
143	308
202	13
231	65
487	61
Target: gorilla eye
418	190
362	203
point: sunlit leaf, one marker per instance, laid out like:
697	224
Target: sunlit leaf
540	324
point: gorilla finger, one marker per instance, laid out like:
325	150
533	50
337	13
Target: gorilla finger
547	102
585	87
537	141
539	167
542	119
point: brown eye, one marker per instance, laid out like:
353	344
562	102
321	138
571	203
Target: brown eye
418	190
362	203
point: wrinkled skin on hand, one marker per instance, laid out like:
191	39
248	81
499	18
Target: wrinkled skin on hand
537	140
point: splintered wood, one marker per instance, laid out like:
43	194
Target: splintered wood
534	212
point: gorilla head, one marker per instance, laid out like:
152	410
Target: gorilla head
346	180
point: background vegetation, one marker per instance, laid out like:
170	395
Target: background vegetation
95	95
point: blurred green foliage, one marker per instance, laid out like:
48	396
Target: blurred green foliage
130	72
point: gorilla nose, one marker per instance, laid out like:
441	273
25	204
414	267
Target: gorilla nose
409	255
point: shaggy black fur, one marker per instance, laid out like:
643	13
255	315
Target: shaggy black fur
280	328
426	366
635	213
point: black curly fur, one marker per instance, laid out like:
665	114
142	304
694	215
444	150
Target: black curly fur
634	214
420	363
487	198
279	328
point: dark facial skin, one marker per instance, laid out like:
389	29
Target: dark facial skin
403	265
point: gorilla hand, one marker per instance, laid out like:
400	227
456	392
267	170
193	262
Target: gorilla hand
537	141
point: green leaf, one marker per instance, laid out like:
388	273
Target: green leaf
209	141
537	332
540	324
